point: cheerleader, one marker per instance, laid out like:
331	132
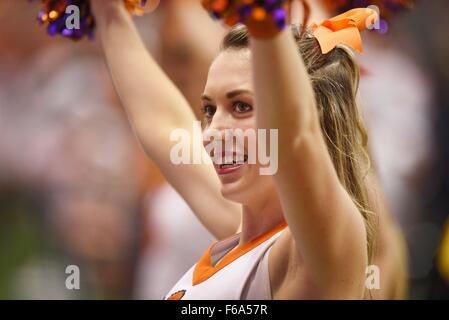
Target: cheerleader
305	232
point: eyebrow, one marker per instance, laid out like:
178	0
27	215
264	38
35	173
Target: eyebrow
229	95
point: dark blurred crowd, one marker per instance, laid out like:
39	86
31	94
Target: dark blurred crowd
76	188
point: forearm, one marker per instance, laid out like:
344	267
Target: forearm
152	101
283	93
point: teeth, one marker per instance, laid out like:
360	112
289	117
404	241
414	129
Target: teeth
233	163
222	166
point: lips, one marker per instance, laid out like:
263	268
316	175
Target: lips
230	166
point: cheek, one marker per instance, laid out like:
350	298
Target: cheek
247	123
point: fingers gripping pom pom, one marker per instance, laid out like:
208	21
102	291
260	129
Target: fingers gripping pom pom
73	18
264	18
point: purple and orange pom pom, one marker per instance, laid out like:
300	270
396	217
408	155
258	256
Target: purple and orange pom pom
54	15
264	18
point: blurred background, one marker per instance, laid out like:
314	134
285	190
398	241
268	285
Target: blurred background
76	188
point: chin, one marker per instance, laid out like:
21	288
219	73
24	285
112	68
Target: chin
234	188
236	185
247	188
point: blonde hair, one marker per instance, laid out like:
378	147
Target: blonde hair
335	80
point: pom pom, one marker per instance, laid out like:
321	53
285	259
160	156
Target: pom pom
56	16
264	18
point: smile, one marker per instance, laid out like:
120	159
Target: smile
230	167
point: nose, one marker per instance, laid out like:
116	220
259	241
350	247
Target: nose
219	128
220	122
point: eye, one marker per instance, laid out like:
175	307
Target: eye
208	111
241	107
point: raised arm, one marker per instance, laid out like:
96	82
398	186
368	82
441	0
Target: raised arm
326	227
155	108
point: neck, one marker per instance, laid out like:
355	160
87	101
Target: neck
260	217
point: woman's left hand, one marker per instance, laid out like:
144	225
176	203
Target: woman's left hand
263	21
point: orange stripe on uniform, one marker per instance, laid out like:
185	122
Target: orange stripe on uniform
204	268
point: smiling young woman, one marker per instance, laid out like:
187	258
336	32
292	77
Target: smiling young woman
305	232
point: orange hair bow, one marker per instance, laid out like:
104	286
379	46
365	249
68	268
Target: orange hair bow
344	29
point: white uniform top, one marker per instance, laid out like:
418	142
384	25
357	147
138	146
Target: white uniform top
240	274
